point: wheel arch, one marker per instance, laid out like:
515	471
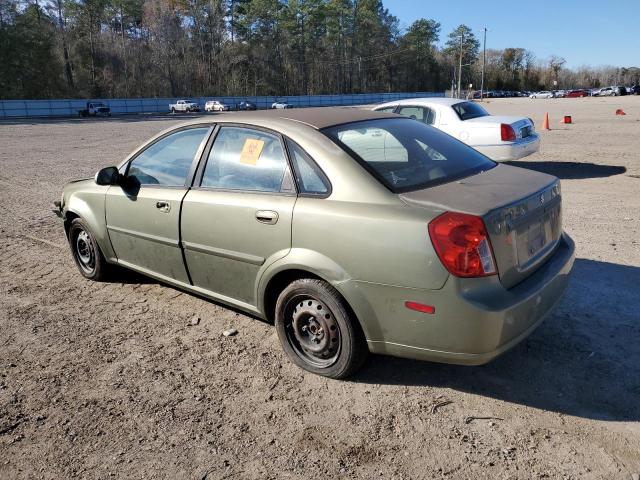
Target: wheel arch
308	264
89	206
277	283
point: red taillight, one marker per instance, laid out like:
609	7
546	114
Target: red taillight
507	134
462	244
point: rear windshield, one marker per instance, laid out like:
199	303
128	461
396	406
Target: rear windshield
469	110
406	155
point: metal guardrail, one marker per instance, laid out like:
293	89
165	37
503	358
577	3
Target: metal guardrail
121	106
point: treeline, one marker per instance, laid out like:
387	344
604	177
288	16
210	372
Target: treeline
148	48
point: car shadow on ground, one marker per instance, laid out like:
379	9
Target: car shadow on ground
571	170
582	361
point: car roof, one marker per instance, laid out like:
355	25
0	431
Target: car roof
426	101
318	117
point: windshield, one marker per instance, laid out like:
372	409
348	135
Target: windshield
469	110
406	155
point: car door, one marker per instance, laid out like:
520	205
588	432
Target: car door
143	212
237	217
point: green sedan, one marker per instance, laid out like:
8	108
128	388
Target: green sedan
352	231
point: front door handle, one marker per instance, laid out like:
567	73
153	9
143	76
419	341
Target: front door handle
163	206
267	216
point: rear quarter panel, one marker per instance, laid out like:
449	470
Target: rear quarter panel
385	244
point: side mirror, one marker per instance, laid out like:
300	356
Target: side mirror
108	176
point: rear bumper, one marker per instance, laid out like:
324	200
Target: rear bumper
475	320
511	151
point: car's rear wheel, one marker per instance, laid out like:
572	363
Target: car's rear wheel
317	330
86	252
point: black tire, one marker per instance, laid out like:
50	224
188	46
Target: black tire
331	344
173	110
86	252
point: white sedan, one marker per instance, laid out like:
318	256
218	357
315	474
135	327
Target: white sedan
500	138
216	106
542	94
279	105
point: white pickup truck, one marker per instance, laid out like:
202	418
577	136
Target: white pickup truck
95	109
184	106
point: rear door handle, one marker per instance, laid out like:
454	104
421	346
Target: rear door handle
163	206
267	216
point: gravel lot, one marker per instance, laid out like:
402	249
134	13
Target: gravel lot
111	380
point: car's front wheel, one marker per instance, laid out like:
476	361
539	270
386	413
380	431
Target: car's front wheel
317	330
86	252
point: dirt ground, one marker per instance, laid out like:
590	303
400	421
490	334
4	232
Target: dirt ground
110	380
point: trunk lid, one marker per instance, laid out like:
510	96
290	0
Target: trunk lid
523	127
521	210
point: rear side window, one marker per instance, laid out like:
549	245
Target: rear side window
386	109
310	179
167	162
422	114
406	155
247	159
469	110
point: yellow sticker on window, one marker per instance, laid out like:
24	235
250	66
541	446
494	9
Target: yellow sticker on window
251	151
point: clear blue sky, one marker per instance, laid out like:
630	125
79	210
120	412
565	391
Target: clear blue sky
586	32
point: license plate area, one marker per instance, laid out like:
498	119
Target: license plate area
536	238
525	131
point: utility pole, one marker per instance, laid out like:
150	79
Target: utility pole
460	63
233	12
484	60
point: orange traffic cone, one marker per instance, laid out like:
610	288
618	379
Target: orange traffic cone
566	119
545	123
620	112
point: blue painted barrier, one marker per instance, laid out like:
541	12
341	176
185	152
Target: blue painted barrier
119	106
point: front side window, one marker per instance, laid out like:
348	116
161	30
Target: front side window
247	159
167	162
469	110
406	155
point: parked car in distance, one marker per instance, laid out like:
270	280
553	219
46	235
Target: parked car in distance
498	137
469	255
246	105
577	94
606	92
95	109
559	93
542	94
280	105
216	106
635	89
620	91
184	106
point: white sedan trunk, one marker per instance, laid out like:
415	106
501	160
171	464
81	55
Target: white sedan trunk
501	138
484	134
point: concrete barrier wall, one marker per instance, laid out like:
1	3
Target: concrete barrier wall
121	106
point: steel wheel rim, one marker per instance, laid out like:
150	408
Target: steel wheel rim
313	331
85	252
